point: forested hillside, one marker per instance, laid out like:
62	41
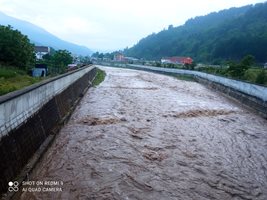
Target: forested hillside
226	35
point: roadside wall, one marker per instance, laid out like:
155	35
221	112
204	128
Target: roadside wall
29	116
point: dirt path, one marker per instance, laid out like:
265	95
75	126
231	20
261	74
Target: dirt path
146	136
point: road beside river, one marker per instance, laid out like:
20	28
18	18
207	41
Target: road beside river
142	135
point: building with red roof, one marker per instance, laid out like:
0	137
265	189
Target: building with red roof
177	60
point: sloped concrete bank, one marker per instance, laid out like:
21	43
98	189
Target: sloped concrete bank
252	102
33	115
250	95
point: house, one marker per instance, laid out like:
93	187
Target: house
177	60
265	66
119	57
40	51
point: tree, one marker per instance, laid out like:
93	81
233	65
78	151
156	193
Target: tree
237	70
248	61
190	66
158	64
95	54
170	27
62	58
46	57
15	48
224	35
261	77
85	60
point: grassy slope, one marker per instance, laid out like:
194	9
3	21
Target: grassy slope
100	76
12	79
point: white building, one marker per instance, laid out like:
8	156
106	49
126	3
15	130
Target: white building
40	51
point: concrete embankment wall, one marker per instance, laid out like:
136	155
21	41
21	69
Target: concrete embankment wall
251	95
29	116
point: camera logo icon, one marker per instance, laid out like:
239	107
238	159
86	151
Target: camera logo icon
13	186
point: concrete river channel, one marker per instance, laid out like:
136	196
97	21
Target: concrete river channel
141	135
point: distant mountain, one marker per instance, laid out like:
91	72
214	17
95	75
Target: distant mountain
40	36
218	36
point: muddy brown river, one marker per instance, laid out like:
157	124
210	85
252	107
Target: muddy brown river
141	135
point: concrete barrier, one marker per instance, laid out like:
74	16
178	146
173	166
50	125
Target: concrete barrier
16	107
29	116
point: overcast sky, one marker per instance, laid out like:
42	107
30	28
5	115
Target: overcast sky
111	24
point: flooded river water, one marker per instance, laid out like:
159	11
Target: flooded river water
142	136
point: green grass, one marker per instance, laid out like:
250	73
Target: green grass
100	76
185	77
9	72
12	79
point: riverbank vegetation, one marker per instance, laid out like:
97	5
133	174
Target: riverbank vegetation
244	70
100	77
17	59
